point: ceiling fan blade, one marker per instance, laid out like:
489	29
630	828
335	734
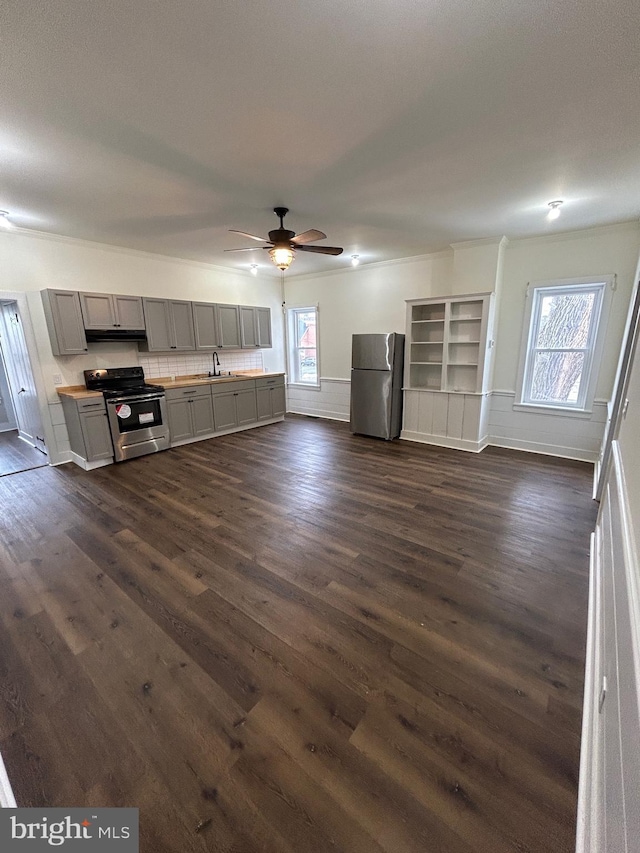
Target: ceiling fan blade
252	236
247	249
322	250
309	236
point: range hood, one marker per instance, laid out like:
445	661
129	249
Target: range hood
95	335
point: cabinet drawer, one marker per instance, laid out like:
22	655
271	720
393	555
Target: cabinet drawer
92	404
269	381
188	391
240	385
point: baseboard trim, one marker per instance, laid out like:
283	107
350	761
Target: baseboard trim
545	449
88	466
445	441
319	413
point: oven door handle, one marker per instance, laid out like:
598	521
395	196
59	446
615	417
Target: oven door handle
146	399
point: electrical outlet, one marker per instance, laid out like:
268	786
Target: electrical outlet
57	379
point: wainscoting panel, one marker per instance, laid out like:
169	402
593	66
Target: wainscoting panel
332	400
571	436
608	814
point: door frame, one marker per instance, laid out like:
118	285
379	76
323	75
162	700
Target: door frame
627	350
5	391
22	303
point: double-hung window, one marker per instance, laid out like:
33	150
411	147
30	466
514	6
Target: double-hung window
303	346
564	330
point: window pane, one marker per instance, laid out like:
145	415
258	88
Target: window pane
303	350
556	377
306	328
565	321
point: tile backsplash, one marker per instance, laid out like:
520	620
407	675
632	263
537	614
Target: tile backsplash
155	366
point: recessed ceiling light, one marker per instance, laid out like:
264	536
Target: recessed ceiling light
254	269
355	260
4	220
554	211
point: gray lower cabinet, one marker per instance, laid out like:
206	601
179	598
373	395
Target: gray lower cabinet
88	428
64	322
271	398
190	412
169	324
234	404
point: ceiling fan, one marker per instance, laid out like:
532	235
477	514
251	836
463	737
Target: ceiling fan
282	243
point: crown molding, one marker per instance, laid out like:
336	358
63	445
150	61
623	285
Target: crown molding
483	241
47	236
578	233
348	270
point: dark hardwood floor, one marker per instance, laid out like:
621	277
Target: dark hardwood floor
292	639
16	455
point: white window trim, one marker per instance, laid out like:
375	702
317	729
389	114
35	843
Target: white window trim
585	405
310	386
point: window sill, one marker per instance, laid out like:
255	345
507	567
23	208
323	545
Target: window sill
562	411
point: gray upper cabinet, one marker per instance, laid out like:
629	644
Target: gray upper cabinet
263	327
64	321
255	327
182	322
206	326
248	331
109	311
229	326
129	313
169	325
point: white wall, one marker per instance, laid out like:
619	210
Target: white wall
365	299
580	253
371	299
32	262
597	251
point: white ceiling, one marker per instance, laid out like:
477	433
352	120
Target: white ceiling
395	126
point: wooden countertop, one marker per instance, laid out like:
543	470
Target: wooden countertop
79	392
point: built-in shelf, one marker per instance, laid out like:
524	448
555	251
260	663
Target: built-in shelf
446	370
446	343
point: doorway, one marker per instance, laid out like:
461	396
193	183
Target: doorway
22	444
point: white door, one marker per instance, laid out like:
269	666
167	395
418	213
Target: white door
7	418
23	389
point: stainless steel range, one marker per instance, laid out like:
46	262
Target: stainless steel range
137	411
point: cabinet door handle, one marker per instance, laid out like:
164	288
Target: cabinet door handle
603	694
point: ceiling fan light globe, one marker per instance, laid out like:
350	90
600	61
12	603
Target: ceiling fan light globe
281	257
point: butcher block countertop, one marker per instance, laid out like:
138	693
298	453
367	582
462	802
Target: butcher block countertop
79	392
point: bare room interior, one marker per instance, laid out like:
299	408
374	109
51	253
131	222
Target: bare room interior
320	427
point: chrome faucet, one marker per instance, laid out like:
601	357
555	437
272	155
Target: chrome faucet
216	363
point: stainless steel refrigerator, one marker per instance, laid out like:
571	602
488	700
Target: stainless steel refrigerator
376	384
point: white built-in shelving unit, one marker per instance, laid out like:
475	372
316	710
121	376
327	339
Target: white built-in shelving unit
448	342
